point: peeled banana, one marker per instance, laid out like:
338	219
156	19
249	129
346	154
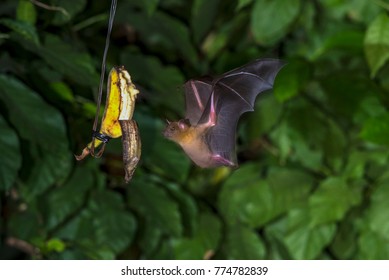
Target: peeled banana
120	104
117	121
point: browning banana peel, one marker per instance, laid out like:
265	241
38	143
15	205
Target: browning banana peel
131	147
120	103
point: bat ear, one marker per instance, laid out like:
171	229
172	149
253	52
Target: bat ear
183	124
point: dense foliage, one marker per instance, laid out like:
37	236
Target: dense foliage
313	180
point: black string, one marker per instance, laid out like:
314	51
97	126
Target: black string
100	136
102	77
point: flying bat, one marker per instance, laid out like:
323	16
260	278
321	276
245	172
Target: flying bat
213	107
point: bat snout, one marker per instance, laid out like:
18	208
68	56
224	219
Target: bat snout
166	133
169	131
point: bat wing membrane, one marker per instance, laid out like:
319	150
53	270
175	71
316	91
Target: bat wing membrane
197	94
233	94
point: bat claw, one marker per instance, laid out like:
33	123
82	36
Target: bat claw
223	161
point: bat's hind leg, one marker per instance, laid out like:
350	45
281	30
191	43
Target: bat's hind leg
222	161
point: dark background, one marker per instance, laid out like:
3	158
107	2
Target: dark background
313	181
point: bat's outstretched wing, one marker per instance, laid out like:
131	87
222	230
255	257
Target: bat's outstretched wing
228	97
197	94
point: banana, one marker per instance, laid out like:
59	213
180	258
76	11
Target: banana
120	103
131	147
122	92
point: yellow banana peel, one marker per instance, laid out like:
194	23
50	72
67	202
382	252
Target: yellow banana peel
120	104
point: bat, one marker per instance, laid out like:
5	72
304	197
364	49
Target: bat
213	107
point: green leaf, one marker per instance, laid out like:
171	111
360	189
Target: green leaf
66	10
280	136
347	40
364	11
266	114
43	127
271	20
217	42
372	246
346	91
256	202
148	7
65	59
203	16
188	249
355	166
344	246
67	199
307	16
336	9
370	107
309	157
150	238
301	136
334	150
377	130
377	217
26	12
209	230
94	229
155	206
368	161
25	225
115	234
274	235
291	80
148	70
63	92
243	186
55	245
11	157
177	33
382	4
77	65
204	242
290	188
151	6
354	10
187	205
25	29
350	40
242	243
331	201
377	43
163	33
303	240
242	4
71	254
